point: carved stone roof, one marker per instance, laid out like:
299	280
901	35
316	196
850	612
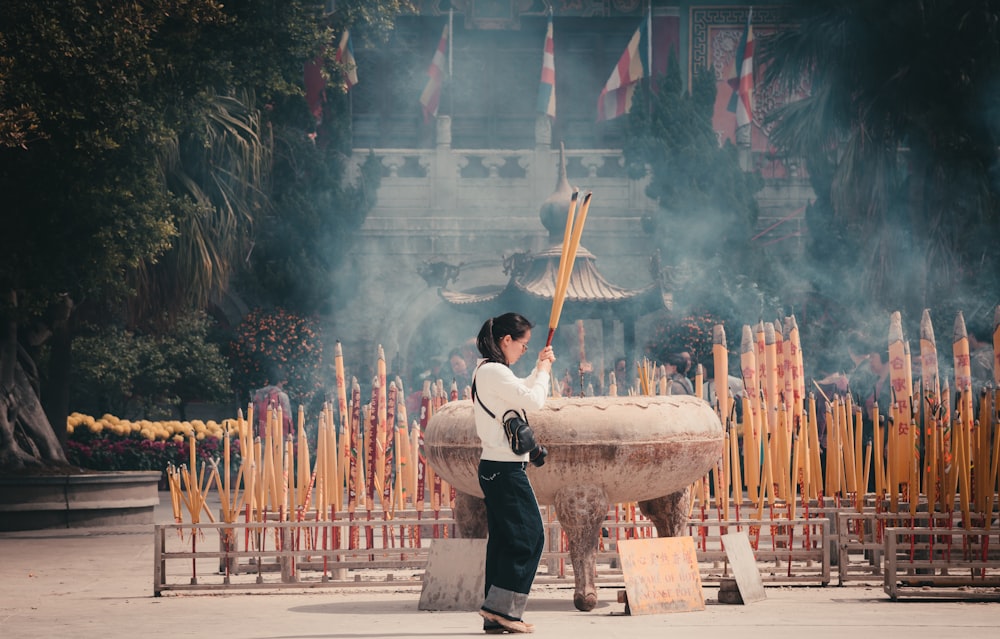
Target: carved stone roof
589	294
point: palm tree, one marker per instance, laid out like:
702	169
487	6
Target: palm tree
217	173
891	115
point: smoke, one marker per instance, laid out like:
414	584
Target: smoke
835	276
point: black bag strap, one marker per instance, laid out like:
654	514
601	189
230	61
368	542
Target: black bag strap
476	395
488	411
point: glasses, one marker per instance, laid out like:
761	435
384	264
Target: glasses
524	345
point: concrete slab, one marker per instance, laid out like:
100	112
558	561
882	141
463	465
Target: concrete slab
741	559
455	577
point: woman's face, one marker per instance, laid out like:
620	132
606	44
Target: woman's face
513	349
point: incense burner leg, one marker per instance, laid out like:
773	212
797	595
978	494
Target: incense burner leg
580	510
669	513
470	516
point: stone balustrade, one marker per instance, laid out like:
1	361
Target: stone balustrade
480	183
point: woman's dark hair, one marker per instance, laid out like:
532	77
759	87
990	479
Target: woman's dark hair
494	329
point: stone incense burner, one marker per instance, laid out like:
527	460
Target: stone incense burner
602	450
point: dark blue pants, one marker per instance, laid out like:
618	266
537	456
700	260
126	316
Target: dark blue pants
516	536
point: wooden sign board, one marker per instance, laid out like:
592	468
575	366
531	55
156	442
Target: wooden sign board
744	565
455	576
661	575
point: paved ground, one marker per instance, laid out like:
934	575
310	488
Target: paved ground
84	583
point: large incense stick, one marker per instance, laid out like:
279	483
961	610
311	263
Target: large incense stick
566	261
567	235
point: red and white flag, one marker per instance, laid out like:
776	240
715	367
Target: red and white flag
547	88
741	102
616	97
315	85
431	96
345	57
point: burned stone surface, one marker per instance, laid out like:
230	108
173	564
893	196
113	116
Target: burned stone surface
602	450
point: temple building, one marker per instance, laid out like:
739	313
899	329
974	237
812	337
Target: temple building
589	295
461	187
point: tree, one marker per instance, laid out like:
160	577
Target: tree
140	375
894	120
84	198
268	345
706	201
301	240
131	158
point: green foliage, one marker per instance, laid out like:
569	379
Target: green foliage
137	144
220	156
301	242
83	189
706	200
103	369
691	333
202	371
894	115
269	344
136	374
146	116
707	209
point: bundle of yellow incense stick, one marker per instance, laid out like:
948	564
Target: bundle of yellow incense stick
571	242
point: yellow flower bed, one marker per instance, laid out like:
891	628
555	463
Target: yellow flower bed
153	431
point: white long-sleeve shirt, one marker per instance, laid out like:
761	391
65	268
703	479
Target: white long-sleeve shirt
501	390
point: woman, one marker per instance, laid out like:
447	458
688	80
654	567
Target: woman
516	536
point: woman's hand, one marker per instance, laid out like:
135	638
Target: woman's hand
545	359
